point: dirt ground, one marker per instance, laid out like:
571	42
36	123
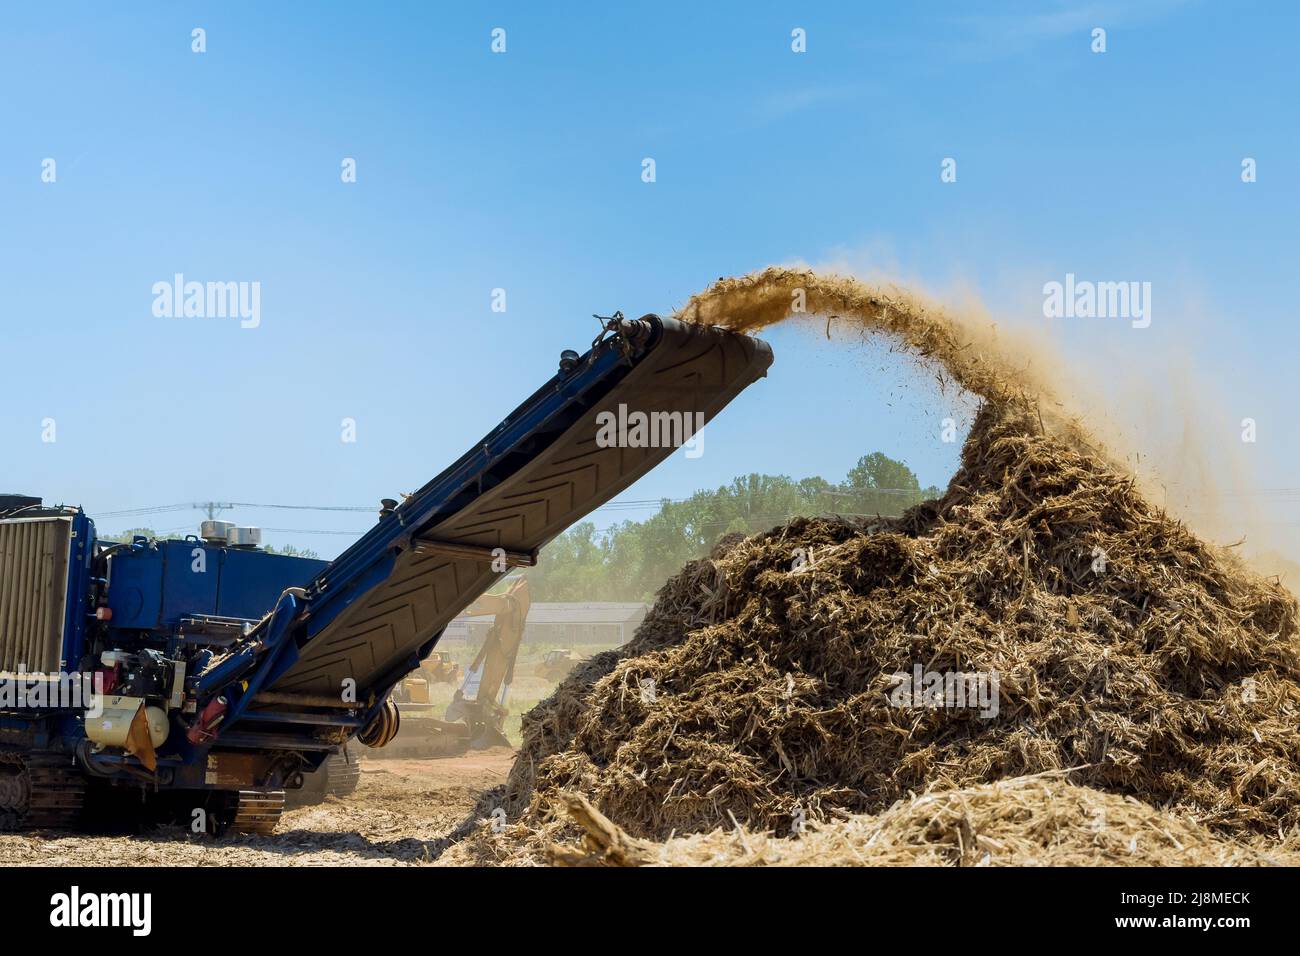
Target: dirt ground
401	814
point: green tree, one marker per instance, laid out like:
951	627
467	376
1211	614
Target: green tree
291	551
125	537
877	471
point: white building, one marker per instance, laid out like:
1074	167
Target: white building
605	623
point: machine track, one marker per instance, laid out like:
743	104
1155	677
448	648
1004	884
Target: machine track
251	811
39	791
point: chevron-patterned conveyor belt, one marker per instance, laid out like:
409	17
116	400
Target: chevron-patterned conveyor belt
692	369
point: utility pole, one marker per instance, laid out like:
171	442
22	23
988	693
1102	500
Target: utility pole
212	507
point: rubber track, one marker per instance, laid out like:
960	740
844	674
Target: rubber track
254	812
56	791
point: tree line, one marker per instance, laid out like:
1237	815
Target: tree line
631	560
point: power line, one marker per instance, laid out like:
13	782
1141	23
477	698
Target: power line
155	509
246	504
355	534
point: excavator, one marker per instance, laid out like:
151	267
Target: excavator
475	719
481	703
217	676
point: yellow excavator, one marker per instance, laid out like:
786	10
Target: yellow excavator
481	703
476	717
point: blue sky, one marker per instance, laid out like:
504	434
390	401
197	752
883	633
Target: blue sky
522	171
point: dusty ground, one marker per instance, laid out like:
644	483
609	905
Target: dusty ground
401	814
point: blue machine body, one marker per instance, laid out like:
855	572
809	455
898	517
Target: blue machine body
157	585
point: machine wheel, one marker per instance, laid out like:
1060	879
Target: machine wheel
39	790
343	773
338	776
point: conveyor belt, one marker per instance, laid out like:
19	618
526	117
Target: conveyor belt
380	606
